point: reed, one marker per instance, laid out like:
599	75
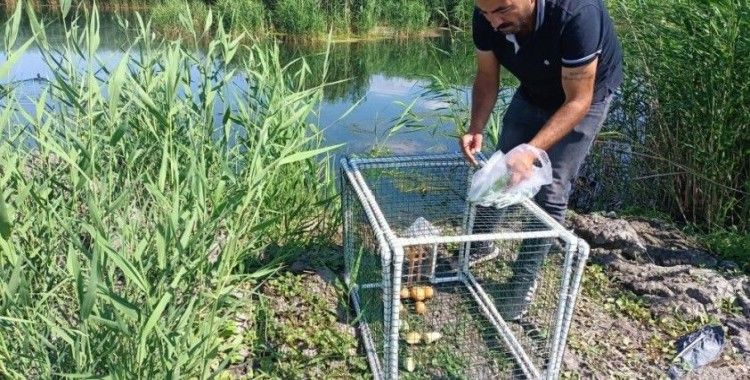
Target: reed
311	19
687	90
134	221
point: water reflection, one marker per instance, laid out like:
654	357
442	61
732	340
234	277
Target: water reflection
375	77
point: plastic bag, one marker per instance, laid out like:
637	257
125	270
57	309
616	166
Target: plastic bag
696	349
491	185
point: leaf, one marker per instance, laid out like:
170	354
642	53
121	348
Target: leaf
65	7
126	307
57	330
12	57
209	22
37	28
6	225
89	297
116	84
11	28
299	156
131	273
151	323
117	135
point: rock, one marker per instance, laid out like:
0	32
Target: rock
602	232
720	371
671	257
603	256
728	265
691	291
739	331
326	274
571	362
743	296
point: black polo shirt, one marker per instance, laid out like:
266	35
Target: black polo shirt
567	33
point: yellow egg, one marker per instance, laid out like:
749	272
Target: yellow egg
410	364
429	292
404	293
413	337
417	293
431	337
420	307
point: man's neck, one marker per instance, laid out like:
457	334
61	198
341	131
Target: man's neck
528	27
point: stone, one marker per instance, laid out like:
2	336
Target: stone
603	232
571	362
691	291
739	334
671	257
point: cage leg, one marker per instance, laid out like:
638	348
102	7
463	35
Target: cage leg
463	256
583	253
394	320
346	211
486	305
468	223
389	287
562	305
364	328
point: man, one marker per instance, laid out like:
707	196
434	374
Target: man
567	57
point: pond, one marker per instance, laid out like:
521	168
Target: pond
377	80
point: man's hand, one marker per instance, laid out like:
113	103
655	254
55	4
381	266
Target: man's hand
471	144
520	164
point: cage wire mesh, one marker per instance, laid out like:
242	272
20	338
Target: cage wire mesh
444	288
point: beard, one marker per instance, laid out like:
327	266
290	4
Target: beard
520	27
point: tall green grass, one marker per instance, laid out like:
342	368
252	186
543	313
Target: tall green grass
687	69
298	17
243	15
131	228
167	14
315	18
308	19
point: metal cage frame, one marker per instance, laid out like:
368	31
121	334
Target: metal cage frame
392	257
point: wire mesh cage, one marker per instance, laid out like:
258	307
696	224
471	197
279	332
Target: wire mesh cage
444	288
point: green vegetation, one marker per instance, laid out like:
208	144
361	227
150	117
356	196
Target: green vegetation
732	243
132	230
687	86
170	17
360	17
300	335
301	18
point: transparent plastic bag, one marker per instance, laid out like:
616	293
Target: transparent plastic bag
491	185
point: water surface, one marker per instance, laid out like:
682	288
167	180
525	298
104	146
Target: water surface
379	79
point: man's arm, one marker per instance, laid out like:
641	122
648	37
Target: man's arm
484	91
578	85
483	98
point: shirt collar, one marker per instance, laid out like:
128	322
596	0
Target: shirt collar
539	14
537	24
